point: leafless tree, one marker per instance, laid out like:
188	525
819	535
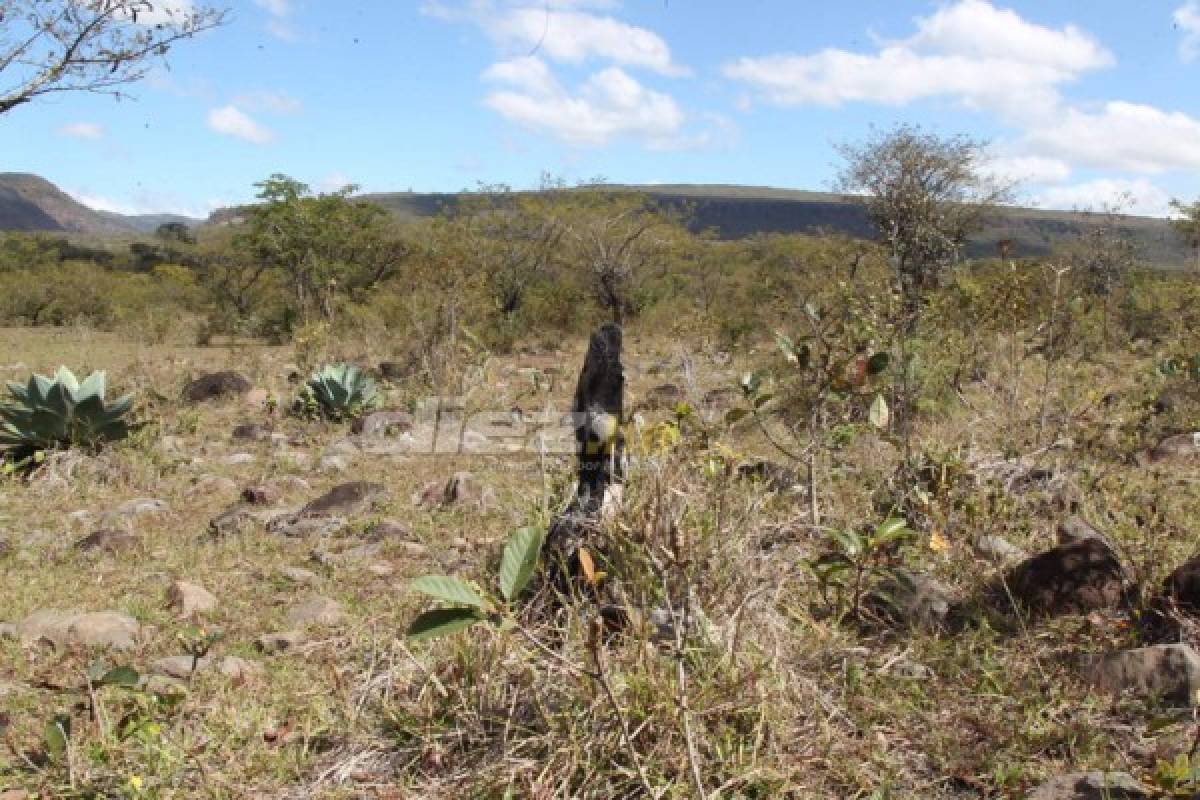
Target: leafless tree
99	46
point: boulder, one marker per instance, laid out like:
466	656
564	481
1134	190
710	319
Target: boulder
1183	449
235	520
912	599
315	611
347	498
1167	671
142	505
999	550
108	540
215	386
109	629
1073	578
190	599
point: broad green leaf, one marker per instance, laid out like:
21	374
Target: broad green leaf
891	530
120	676
850	542
443	621
451	590
519	560
786	346
58	731
879	414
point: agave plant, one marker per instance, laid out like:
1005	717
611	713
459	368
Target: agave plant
59	412
339	391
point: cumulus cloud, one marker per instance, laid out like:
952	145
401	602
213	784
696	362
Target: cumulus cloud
1126	136
1135	196
82	130
970	52
608	105
1187	19
232	121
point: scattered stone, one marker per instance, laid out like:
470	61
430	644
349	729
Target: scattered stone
381	570
257	398
298	526
775	477
1072	578
1075	529
664	397
388	529
318	611
346	498
261	495
333	464
107	540
272	643
721	399
1183	448
238	459
912	599
292	483
300	575
239	670
94	629
999	550
1090	786
1167	671
215	386
383	423
907	668
229	522
142	505
190	599
358	553
180	667
214	484
251	432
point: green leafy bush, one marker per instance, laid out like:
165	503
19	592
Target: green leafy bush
59	412
338	391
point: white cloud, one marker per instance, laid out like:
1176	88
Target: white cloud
1187	19
282	29
1022	169
231	121
82	130
1125	136
563	31
274	102
143	203
165	12
971	52
1133	196
610	104
334	181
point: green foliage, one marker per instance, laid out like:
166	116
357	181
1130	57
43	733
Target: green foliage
854	558
468	607
338	392
59	412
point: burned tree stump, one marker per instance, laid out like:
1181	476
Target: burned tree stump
597	415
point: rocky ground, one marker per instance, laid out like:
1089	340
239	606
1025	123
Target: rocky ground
252	569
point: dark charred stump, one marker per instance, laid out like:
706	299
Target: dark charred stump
598	413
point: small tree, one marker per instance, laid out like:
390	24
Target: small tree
1187	225
99	46
925	195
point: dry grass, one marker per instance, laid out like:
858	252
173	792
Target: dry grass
783	701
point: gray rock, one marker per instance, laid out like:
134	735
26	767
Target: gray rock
227	523
180	667
388	529
347	498
107	540
190	599
1074	530
907	668
239	670
1090	786
1167	671
333	464
280	642
251	432
214	484
911	598
300	576
109	629
215	386
1183	449
383	423
1073	578
238	459
343	447
999	550
315	611
142	505
299	526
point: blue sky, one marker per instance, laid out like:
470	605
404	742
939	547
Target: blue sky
1083	102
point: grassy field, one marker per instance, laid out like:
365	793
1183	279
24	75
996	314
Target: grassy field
772	696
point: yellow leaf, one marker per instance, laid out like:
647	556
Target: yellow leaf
588	565
937	542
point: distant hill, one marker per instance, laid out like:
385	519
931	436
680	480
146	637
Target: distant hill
738	211
32	203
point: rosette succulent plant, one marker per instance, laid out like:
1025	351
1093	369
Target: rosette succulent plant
338	391
60	412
